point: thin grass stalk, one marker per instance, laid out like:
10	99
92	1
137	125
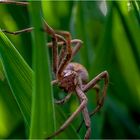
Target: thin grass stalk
42	118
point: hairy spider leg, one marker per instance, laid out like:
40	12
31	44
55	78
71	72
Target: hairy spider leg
77	45
68	56
13	2
53	45
75	42
84	112
19	31
58	36
64	100
83	104
87	123
51	32
63	50
103	75
97	90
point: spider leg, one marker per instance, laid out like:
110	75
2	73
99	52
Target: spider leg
13	2
64	100
62	52
87	122
51	32
97	89
19	31
54	82
68	56
83	99
103	75
77	45
75	42
93	84
84	112
56	36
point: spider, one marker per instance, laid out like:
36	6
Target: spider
72	77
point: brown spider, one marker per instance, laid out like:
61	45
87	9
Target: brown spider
70	76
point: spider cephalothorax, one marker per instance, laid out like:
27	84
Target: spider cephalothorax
69	77
68	81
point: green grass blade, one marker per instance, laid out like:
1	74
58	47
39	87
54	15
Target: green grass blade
42	119
129	31
18	73
128	60
136	9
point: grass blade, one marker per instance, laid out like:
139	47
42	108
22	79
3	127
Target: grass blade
42	119
18	73
131	57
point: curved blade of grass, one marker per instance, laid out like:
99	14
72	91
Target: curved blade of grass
19	75
42	118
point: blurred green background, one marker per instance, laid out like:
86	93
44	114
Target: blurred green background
110	32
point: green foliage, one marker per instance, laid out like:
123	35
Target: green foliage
18	74
110	32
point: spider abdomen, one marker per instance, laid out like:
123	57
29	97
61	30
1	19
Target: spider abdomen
70	75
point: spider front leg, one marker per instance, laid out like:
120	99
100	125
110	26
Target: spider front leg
85	113
93	84
51	32
83	104
13	2
58	36
104	75
19	31
76	43
97	89
64	100
67	58
76	46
